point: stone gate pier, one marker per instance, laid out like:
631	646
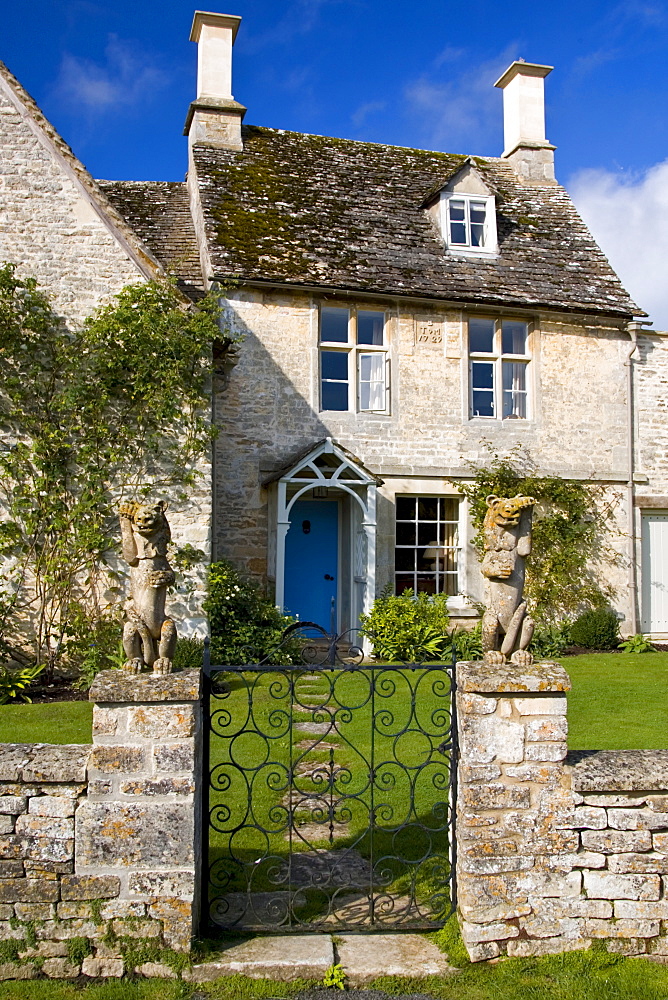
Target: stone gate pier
554	851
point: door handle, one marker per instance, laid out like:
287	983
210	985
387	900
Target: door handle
328	577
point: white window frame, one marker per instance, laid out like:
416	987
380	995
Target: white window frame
490	236
355	353
458	547
497	358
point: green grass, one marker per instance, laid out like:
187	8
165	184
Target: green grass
56	722
619	701
586	975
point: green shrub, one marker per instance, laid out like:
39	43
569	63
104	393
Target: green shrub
93	643
467	642
637	644
551	640
188	654
407	627
14	682
245	625
596	629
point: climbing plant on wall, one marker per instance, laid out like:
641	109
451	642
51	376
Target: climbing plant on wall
566	572
88	416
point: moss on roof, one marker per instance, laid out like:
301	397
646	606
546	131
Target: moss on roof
307	209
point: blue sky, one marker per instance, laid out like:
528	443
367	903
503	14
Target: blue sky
116	77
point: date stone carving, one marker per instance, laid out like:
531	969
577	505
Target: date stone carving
149	636
506	627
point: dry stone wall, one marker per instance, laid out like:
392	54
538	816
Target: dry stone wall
554	852
99	845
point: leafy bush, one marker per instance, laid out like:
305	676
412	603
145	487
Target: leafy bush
637	644
188	654
93	643
14	682
596	629
245	625
551	640
407	627
568	568
467	642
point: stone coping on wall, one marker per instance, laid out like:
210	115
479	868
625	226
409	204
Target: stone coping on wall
475	676
618	770
44	762
121	686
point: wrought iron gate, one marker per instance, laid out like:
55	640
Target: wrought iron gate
329	791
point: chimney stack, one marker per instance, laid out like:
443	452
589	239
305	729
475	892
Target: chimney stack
526	147
214	117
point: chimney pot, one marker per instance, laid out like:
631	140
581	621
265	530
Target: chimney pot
526	147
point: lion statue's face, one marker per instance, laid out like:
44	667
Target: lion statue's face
149	518
506	512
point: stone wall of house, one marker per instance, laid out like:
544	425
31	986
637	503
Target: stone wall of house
100	845
554	852
47	223
267	412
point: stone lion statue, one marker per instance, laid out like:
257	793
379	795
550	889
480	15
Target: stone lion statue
506	627
149	637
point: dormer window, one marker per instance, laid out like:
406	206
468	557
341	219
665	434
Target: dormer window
464	210
469	222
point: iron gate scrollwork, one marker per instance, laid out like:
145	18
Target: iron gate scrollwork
329	789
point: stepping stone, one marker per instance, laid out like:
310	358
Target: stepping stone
328	869
316	746
314	727
365	957
312	833
298	956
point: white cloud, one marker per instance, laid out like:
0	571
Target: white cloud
464	113
125	78
628	217
360	116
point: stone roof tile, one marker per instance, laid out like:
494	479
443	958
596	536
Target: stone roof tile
309	210
159	212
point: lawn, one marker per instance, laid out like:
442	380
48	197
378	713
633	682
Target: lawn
54	722
588	975
619	701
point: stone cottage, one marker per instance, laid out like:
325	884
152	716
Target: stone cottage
402	311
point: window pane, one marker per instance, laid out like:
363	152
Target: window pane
482	404
426	584
477	235
478	211
404	560
405	533
513	337
456	210
404	583
405	508
335	395
428	508
428	534
450	509
458	233
334	364
370	327
372	381
514	390
481	336
334	324
482	375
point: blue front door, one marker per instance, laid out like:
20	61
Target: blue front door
312	561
